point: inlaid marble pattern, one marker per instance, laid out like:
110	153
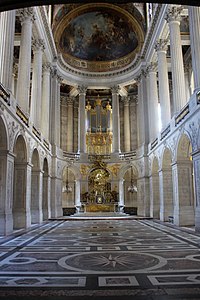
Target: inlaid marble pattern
101	254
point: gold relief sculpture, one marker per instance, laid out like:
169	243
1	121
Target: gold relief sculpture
114	169
84	169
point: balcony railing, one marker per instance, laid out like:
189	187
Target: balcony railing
36	132
4	94
165	132
184	112
22	116
154	143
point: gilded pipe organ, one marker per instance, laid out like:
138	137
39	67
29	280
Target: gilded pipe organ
99	127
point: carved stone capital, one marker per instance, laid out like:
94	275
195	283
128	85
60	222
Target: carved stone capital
161	45
26	14
152	67
174	14
115	89
70	101
38	44
82	89
47	67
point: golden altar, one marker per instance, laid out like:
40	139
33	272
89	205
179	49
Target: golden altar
104	207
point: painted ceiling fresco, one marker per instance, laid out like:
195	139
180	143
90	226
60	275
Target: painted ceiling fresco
98	35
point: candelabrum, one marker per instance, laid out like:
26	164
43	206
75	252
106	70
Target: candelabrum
132	188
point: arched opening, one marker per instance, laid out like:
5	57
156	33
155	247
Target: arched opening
154	190
68	192
21	209
166	188
6	179
130	191
46	191
36	189
183	188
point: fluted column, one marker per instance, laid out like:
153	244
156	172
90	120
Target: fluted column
23	84
161	47
70	129
7	32
45	100
55	108
142	111
194	21
178	80
127	138
36	91
153	102
115	119
81	120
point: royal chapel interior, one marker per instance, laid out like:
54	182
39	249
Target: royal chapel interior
99	112
100	120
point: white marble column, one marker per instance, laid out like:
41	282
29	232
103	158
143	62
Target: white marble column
142	111
70	129
178	80
45	100
36	91
161	48
115	120
23	84
153	102
194	21
127	137
81	120
7	32
55	109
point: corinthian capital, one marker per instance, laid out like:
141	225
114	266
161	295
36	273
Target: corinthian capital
161	45
152	67
26	14
174	13
115	89
38	44
82	89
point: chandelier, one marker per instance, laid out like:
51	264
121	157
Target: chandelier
132	188
67	188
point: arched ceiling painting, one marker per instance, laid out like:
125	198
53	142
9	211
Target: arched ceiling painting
99	37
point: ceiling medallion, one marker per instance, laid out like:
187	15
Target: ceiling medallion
98	37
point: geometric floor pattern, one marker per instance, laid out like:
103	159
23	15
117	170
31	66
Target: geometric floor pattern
101	259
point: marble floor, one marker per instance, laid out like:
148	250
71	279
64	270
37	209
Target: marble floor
101	259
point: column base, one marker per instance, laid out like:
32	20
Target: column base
6	223
184	216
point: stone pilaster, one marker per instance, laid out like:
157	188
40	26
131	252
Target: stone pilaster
45	100
6	192
194	21
81	120
196	164
166	194
183	193
127	138
70	129
178	80
36	91
115	120
23	84
36	197
161	48
7	25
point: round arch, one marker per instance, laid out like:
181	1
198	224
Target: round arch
20	199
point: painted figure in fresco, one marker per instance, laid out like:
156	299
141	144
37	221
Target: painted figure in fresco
98	36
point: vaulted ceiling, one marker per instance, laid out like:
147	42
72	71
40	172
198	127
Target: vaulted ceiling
12	4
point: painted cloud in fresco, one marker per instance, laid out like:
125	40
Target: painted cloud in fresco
98	36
